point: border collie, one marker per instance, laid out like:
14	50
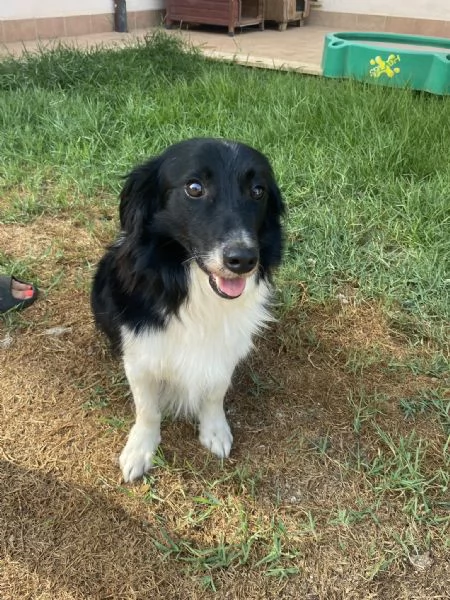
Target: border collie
187	284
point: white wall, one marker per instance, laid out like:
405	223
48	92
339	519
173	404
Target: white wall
30	9
421	9
34	9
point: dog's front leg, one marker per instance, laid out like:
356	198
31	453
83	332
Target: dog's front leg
215	433
137	456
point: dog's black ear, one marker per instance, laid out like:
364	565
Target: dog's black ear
271	233
140	197
276	204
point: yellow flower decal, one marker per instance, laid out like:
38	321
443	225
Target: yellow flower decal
384	67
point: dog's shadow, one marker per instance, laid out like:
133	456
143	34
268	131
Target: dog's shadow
72	541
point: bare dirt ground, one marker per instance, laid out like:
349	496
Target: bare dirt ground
69	529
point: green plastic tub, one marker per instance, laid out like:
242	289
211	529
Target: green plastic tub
407	61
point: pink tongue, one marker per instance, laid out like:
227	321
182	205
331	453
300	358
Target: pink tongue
231	287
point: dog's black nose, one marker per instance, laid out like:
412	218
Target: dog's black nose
240	259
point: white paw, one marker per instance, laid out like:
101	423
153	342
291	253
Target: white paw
216	436
137	456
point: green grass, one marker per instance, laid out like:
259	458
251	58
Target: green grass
268	544
364	170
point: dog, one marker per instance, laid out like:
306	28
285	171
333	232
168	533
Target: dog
187	284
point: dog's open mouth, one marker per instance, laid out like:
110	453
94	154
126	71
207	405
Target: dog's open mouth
227	288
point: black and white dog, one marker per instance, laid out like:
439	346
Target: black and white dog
187	284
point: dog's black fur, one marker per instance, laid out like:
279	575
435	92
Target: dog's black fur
143	279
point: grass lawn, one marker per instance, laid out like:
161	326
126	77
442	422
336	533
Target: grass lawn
338	483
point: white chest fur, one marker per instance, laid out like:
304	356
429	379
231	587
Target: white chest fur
199	350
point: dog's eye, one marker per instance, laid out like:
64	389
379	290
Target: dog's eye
194	189
257	192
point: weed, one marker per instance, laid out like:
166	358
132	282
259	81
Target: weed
365	409
276	560
399	469
98	399
437	365
321	444
433	402
115	423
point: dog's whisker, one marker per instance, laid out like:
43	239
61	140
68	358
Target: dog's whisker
197	257
189	260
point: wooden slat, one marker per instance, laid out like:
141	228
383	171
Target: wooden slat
215	12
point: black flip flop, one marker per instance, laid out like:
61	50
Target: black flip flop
7	300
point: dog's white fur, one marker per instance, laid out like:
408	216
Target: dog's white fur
187	367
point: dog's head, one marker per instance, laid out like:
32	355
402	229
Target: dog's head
212	201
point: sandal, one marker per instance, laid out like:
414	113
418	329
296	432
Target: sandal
8	301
